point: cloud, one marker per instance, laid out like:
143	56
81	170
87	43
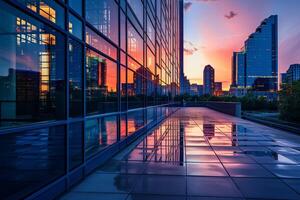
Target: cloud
187	5
231	15
189	48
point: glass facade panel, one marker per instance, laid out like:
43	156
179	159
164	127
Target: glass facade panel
100	43
92	73
150	61
75	138
123	126
99	133
75	79
135	89
123	31
48	9
32	74
135	121
31	159
134	44
101	84
76	5
150	30
137	7
75	26
103	15
123	87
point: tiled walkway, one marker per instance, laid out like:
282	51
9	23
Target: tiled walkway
201	154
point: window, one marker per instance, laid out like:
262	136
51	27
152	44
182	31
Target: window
137	7
99	133
103	15
76	5
101	83
100	43
75	145
123	87
37	155
150	61
123	126
48	9
150	30
135	82
135	44
123	31
75	79
75	26
32	75
135	121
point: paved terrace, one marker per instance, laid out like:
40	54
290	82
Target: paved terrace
198	153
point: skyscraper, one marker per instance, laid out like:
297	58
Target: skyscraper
208	80
233	69
259	57
293	73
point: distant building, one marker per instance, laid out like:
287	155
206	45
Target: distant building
233	69
257	63
283	79
208	80
185	86
293	73
196	90
218	89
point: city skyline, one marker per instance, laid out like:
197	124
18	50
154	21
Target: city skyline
213	43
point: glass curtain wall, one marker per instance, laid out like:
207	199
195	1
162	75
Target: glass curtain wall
77	77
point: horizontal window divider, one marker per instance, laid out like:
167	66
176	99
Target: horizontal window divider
90	26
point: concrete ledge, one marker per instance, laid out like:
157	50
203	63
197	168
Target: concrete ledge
230	108
272	124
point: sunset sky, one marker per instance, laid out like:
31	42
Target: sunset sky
213	29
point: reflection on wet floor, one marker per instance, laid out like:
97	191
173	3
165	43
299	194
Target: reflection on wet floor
198	153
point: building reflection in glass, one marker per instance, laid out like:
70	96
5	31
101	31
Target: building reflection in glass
31	77
99	133
101	90
209	130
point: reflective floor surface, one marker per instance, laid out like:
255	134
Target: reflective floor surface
198	153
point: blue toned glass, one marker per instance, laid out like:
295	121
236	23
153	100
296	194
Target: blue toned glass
75	26
103	15
76	5
100	133
75	79
75	138
32	70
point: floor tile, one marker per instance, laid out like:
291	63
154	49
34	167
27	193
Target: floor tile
117	183
265	188
212	186
165	185
93	196
206	169
285	171
246	170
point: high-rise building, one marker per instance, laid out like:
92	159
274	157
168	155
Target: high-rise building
181	46
234	69
196	90
258	59
208	80
293	73
79	80
218	88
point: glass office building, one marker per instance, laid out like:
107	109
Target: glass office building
208	80
258	61
79	79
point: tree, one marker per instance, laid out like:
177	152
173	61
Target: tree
289	102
